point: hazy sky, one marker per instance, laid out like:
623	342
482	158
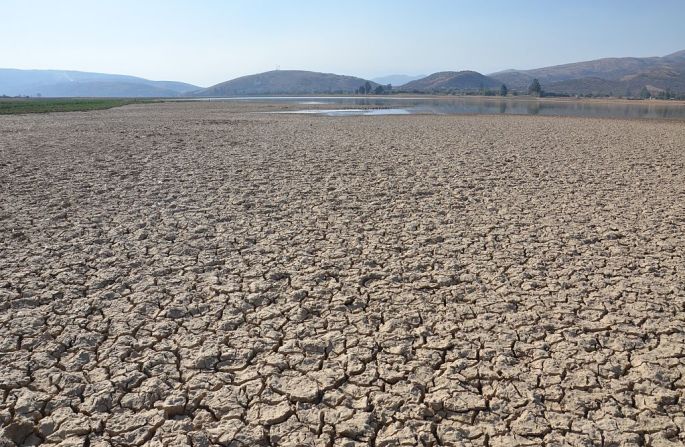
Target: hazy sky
209	41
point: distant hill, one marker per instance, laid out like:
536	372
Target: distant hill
615	76
514	79
63	83
590	85
452	80
286	82
396	80
655	81
664	78
609	68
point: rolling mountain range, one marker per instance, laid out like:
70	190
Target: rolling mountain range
627	76
61	83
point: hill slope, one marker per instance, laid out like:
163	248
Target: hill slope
451	80
14	82
285	82
604	76
591	86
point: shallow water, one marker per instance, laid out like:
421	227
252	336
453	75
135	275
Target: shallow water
482	106
349	112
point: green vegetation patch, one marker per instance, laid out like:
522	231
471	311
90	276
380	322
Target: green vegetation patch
10	106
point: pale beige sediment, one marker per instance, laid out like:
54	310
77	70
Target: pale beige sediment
193	274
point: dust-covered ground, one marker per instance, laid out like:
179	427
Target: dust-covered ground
193	274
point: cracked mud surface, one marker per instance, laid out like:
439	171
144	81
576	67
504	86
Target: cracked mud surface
191	274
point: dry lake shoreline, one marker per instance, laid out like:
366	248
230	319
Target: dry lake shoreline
199	274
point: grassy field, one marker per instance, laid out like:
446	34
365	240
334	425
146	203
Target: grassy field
11	106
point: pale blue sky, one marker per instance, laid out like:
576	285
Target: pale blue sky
210	41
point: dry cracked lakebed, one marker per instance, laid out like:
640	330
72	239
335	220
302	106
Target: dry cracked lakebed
194	274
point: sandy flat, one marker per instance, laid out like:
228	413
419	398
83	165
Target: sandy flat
194	274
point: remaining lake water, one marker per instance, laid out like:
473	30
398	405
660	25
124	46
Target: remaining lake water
397	105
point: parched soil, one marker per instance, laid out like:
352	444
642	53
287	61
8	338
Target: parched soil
194	274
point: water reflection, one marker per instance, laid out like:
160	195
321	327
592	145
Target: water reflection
350	112
508	106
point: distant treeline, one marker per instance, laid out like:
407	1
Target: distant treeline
535	89
367	89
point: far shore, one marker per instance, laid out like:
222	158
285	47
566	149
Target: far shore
399	96
450	97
